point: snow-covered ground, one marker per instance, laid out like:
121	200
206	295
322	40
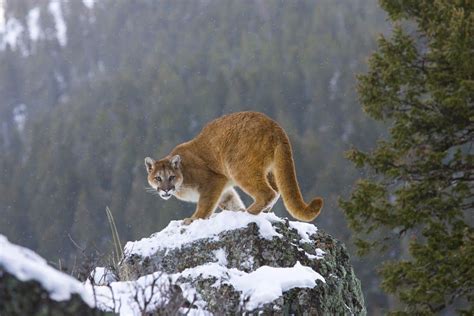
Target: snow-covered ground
259	287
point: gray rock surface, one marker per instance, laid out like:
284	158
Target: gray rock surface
246	250
30	298
29	286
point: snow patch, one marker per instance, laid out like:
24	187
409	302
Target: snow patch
248	263
220	256
103	276
55	9
19	116
261	286
266	284
333	85
319	254
89	3
305	230
32	21
27	265
129	297
211	270
2	16
176	234
11	33
348	131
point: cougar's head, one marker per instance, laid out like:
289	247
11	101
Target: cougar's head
164	175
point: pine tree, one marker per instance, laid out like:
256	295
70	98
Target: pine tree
421	82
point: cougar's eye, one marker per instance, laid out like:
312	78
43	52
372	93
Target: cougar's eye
158	179
171	178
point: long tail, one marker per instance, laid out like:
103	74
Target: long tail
285	177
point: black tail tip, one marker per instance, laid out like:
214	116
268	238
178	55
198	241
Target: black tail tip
314	208
317	204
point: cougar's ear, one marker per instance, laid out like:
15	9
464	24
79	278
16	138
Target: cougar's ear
149	162
176	161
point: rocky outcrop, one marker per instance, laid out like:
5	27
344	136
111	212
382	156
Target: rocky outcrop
29	286
259	264
232	263
30	298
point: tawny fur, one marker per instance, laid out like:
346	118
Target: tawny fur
245	149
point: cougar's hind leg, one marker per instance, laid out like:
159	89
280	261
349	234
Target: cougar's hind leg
257	186
271	181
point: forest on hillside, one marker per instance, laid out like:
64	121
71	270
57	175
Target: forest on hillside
88	89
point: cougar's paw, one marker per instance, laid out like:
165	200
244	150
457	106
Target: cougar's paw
188	220
254	210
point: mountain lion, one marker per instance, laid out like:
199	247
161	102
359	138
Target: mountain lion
244	149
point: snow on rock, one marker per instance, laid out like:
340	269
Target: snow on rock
257	288
211	269
266	284
176	234
261	286
248	268
240	263
221	256
26	265
305	230
131	297
319	254
103	276
147	294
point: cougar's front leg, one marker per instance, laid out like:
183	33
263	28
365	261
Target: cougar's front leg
209	197
230	201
